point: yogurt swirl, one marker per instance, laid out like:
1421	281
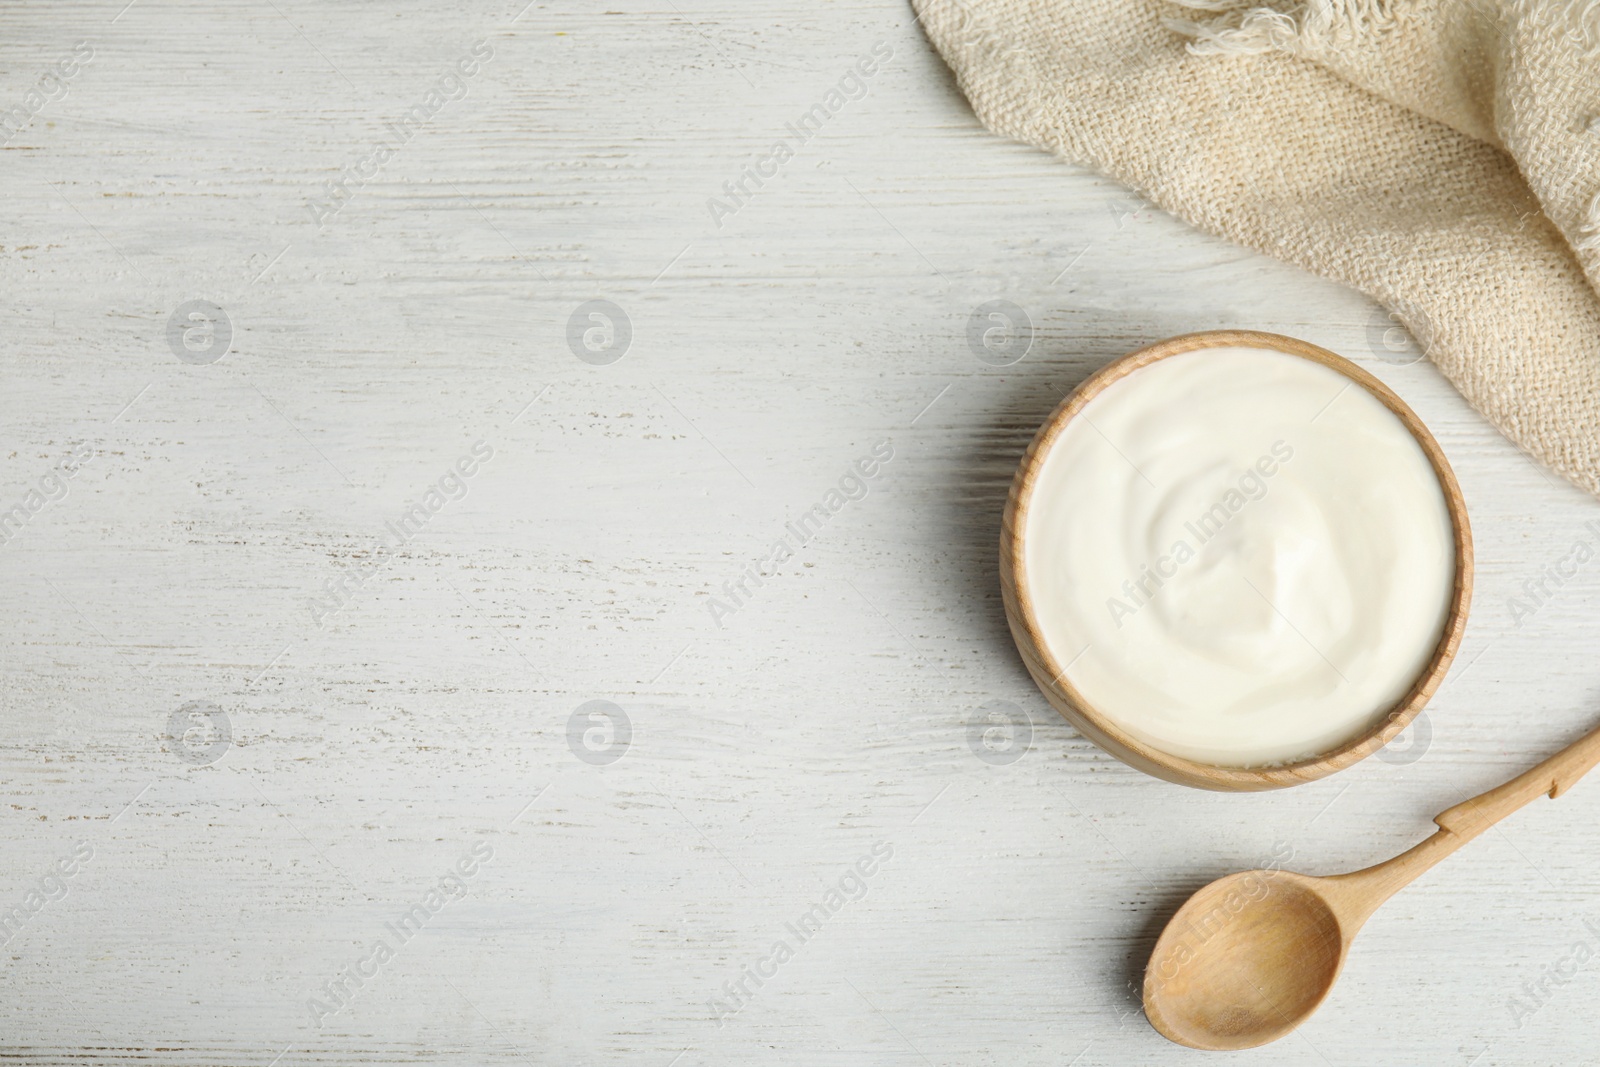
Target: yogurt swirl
1240	556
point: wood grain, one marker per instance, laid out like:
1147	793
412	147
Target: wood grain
842	705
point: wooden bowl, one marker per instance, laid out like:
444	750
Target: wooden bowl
1049	675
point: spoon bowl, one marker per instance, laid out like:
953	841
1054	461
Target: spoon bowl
1244	961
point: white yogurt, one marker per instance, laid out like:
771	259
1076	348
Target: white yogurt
1240	556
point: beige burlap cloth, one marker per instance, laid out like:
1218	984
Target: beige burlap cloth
1442	156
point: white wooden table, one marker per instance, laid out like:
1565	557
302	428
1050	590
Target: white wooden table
343	757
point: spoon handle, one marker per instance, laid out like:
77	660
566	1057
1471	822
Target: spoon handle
1551	778
1365	890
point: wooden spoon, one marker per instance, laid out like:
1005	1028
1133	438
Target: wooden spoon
1251	956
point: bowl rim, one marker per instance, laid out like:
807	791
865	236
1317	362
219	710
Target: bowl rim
1049	675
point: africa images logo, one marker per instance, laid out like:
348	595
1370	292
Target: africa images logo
854	484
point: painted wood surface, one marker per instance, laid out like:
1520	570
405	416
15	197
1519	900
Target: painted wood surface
266	734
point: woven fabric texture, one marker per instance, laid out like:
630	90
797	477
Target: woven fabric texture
1442	156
